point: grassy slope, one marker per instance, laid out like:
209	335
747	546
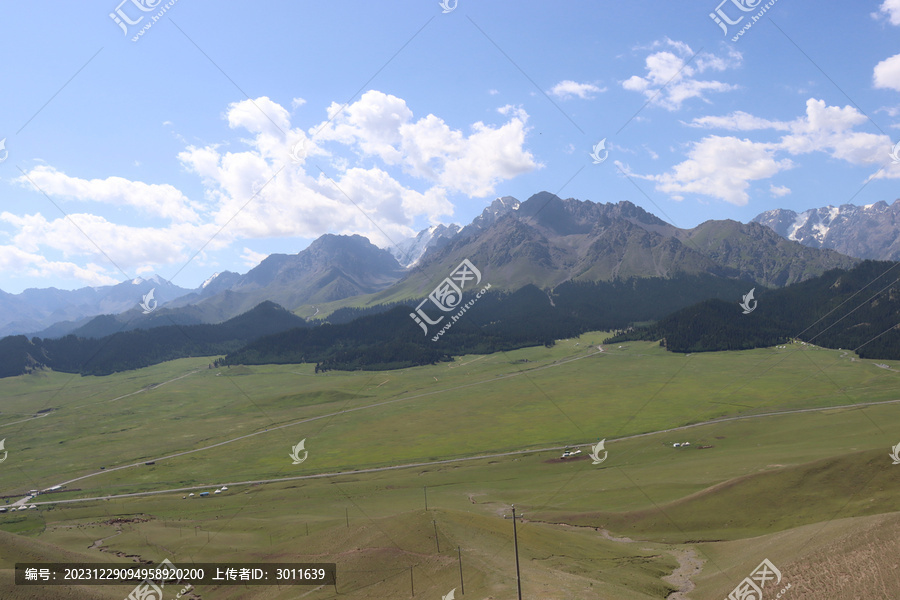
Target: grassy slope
821	466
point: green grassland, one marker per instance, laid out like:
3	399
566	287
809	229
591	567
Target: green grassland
500	419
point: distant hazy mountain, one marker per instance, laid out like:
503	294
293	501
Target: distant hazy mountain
124	351
333	267
547	240
871	231
36	309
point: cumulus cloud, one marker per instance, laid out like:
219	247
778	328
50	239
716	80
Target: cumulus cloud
889	9
382	125
671	76
829	129
720	167
164	200
887	73
724	167
569	89
259	115
31	264
778	191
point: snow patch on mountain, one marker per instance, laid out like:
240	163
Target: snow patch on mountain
411	250
208	281
799	222
871	231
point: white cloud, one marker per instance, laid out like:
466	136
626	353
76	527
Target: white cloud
352	195
724	167
100	241
382	125
297	102
259	115
567	89
671	75
737	121
889	9
887	73
778	191
15	261
493	92
164	200
252	258
720	167
254	190
829	129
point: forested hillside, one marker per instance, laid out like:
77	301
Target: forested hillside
856	310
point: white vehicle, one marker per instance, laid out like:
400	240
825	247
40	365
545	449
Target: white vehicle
569	453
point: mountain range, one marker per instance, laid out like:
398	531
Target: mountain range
543	241
556	267
871	231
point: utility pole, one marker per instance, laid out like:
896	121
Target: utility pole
462	585
436	541
425	488
516	542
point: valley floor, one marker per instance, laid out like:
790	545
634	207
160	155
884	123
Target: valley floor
411	475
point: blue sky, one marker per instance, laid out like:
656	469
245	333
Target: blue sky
172	154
